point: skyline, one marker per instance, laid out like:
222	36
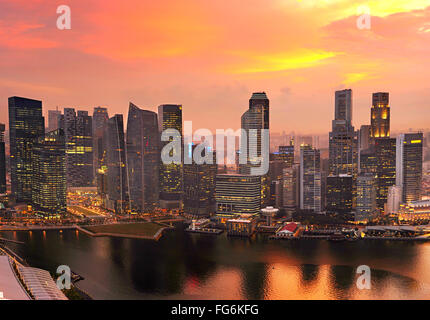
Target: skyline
168	56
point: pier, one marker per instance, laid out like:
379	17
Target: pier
205	230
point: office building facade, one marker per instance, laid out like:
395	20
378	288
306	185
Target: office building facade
380	115
385	152
366	197
79	148
171	174
26	123
143	158
117	196
409	165
2	160
49	174
310	179
237	194
199	185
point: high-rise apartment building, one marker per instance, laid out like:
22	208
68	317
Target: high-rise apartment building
26	123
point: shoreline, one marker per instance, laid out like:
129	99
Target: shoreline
155	237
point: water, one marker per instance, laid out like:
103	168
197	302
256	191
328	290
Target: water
192	266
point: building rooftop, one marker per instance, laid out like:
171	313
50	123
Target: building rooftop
10	286
259	95
41	284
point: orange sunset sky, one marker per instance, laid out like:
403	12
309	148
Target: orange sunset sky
211	55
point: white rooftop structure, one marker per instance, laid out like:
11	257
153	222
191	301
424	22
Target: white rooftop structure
269	211
41	284
10	287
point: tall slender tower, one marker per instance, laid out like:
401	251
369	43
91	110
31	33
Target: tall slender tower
343	105
79	148
53	120
409	165
49	174
2	160
117	184
171	175
385	155
26	123
380	115
199	184
100	120
254	120
343	157
143	158
310	179
343	139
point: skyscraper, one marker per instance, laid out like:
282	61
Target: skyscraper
368	160
409	166
199	185
364	137
343	139
385	153
290	189
54	117
171	174
2	160
380	115
79	148
143	158
394	199
343	105
366	197
237	194
100	119
49	174
310	179
339	196
117	182
26	123
285	154
253	121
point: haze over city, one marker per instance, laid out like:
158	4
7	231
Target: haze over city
209	56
